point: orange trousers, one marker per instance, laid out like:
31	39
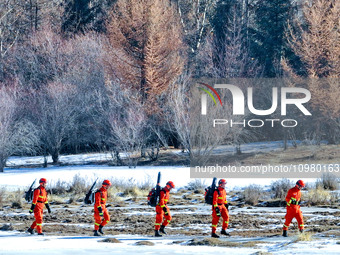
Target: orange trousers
215	218
38	215
290	215
159	217
98	219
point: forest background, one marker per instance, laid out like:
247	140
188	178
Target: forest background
100	75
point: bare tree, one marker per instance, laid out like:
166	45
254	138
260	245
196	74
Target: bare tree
196	131
126	124
17	136
178	107
55	117
20	18
315	40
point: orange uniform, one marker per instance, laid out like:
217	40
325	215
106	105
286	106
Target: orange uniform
164	196
39	200
293	208
100	208
220	201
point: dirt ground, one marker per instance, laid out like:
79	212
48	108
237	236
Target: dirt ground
324	154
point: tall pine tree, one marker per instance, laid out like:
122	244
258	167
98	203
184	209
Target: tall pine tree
268	44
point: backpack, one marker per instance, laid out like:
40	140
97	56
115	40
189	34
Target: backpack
209	194
29	193
152	197
89	198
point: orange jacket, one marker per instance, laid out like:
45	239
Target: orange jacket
293	197
40	197
100	198
220	197
164	196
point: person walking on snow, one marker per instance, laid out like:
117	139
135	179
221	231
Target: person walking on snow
220	208
162	209
293	207
100	208
39	200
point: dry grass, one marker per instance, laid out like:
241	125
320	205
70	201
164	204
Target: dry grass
109	240
317	196
222	243
305	237
147	243
2	195
16	198
57	199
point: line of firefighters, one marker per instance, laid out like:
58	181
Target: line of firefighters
219	208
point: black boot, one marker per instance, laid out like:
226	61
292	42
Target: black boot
285	234
301	231
214	235
157	234
31	231
162	230
223	232
41	234
96	233
100	230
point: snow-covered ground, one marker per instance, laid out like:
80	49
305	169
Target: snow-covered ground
18	243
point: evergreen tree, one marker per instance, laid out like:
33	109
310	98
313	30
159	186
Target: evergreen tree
83	15
268	44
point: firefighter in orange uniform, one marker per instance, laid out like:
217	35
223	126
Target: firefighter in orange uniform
39	200
293	207
162	209
220	208
100	208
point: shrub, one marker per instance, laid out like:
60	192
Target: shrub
2	196
328	181
58	188
78	185
281	187
197	184
252	194
16	198
317	196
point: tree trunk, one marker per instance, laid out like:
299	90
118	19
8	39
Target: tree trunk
55	157
2	165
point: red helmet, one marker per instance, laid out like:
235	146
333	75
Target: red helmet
106	182
42	180
222	181
300	183
170	184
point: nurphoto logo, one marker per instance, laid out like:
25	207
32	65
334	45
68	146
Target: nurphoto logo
239	101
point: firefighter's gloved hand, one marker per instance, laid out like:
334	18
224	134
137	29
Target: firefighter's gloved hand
32	208
294	202
217	210
100	210
48	208
227	206
165	210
